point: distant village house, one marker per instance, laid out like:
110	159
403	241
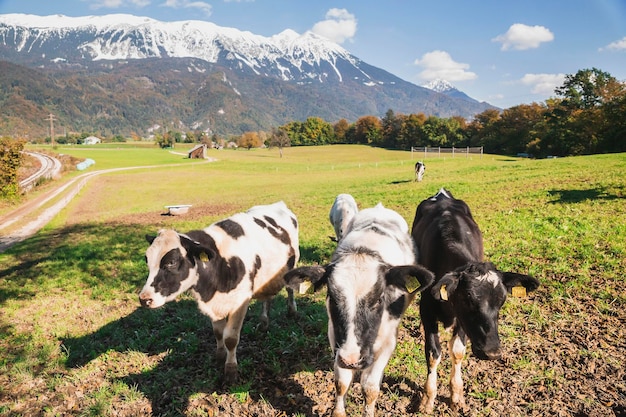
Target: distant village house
91	140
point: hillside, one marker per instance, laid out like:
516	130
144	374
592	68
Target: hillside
116	78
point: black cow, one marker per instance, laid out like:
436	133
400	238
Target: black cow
467	294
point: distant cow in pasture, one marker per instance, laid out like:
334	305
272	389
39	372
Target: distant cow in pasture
341	212
371	280
467	294
420	169
225	265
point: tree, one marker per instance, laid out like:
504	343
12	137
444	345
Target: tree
589	88
341	130
280	139
249	140
482	131
10	160
368	130
164	140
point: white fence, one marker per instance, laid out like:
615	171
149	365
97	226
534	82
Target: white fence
427	151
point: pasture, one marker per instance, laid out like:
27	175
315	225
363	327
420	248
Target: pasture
74	341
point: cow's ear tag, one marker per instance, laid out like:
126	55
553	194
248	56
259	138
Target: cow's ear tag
518	291
443	293
204	257
412	284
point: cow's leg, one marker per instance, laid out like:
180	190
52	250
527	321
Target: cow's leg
343	379
291	303
456	346
231	340
432	350
371	379
218	332
264	318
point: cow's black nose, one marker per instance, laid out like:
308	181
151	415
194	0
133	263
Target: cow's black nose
487	355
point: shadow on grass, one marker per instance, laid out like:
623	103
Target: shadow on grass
267	361
101	257
104	260
578	196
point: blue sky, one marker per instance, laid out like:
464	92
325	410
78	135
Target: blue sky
502	52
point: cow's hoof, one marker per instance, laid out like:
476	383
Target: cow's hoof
263	325
426	406
459	407
339	413
231	374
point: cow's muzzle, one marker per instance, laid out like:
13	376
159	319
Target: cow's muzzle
146	300
489	355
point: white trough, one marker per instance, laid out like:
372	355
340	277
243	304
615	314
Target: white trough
178	209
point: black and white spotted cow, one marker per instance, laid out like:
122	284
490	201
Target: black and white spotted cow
225	265
420	169
467	294
371	280
343	209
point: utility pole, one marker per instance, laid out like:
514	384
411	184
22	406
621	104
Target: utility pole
51	118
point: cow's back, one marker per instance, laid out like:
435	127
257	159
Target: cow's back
381	231
446	234
265	239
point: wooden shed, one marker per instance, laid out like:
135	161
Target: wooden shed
198	152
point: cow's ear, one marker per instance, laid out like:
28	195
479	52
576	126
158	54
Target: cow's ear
513	279
150	238
315	274
444	288
195	249
410	278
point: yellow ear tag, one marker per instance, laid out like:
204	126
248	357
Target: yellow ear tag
204	257
412	284
519	292
443	293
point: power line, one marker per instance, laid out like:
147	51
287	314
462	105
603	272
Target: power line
51	118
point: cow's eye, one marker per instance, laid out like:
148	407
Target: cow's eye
171	264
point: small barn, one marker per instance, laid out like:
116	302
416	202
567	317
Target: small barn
91	140
198	152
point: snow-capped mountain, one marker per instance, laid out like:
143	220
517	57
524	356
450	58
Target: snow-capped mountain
439	85
200	75
287	55
444	87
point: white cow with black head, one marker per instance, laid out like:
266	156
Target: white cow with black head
371	280
225	265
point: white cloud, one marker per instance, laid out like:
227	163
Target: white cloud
440	65
521	37
205	8
619	45
339	26
544	84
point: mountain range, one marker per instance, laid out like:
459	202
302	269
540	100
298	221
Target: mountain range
118	74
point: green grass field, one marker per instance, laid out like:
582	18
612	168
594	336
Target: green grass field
73	340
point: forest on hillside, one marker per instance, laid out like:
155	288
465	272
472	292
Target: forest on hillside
587	116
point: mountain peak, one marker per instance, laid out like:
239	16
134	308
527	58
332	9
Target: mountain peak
440	86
